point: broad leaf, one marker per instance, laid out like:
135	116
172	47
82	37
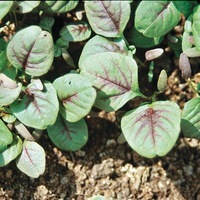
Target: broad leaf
12	152
32	159
156	18
75	31
76	94
108	18
99	44
38	108
115	78
6	137
190	123
68	136
25	6
196	27
139	40
9	90
52	7
152	129
5	7
32	50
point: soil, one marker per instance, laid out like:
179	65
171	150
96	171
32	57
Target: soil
105	167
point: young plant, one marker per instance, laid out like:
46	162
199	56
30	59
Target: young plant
106	76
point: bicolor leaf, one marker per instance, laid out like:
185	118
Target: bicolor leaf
152	129
68	136
162	17
32	159
108	18
115	78
31	50
76	95
38	108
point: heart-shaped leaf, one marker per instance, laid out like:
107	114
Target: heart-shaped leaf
32	50
99	44
38	108
68	136
76	94
190	123
115	78
108	18
25	6
152	129
32	159
5	7
6	137
12	152
9	90
164	16
52	7
76	31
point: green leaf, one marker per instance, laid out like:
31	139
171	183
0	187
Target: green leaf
5	7
12	152
75	31
76	94
55	7
32	50
156	18
139	40
38	108
3	43
25	6
192	52
99	44
32	159
9	90
190	123
68	136
5	66
6	137
115	78
185	7
196	27
108	18
47	23
152	129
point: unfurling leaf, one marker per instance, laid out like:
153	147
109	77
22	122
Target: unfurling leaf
184	65
153	54
162	81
